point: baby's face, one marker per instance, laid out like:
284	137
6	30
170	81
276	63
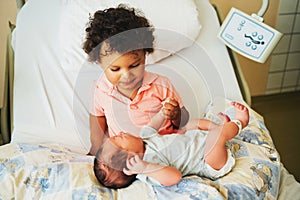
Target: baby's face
128	142
124	142
126	71
120	145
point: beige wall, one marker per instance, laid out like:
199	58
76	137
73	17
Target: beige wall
8	10
256	74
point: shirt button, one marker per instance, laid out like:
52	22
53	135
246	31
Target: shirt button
133	106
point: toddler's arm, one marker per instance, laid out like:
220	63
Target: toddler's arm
165	175
98	128
170	111
178	116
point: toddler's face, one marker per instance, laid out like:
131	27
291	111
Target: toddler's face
126	71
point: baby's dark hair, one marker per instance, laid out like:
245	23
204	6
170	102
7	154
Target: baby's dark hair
110	174
122	29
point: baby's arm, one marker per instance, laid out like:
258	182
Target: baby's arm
157	120
165	175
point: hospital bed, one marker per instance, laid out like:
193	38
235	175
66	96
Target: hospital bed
46	158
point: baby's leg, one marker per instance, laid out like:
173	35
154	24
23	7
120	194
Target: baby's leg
204	124
215	152
241	113
224	118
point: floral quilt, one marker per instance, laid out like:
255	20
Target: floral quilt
50	171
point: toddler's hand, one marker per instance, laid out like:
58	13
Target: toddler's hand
135	165
170	109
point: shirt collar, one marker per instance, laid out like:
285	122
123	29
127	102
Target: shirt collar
149	78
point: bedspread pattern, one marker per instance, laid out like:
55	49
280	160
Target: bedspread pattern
49	171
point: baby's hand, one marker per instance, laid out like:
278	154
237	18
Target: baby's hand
170	109
135	165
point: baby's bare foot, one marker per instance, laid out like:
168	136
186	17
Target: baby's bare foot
241	113
224	118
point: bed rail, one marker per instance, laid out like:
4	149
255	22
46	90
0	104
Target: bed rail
6	119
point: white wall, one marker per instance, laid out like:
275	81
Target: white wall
284	71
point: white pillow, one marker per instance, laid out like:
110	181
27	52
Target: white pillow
176	22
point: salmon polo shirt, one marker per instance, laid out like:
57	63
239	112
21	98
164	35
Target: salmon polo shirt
126	115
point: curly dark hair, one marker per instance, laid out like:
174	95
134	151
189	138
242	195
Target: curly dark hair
122	29
111	174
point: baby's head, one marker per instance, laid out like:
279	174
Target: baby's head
120	29
111	159
110	173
